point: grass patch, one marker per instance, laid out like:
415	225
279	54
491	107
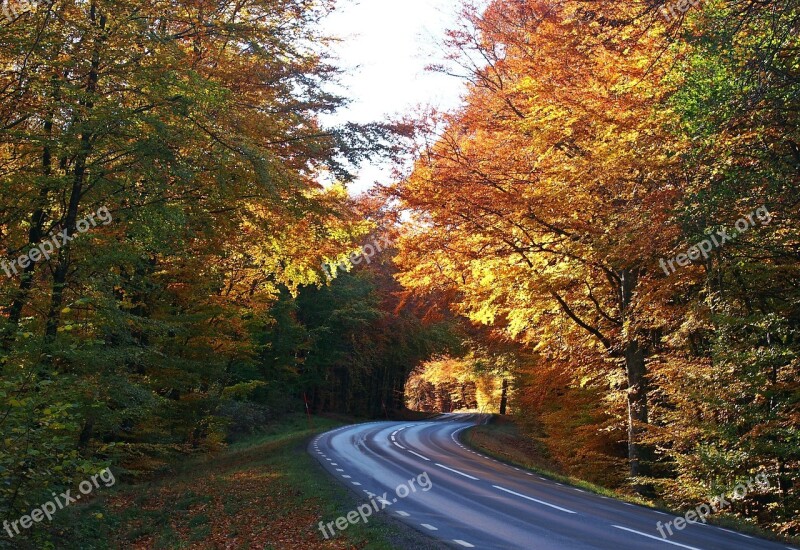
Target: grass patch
263	492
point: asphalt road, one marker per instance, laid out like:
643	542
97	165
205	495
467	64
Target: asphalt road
473	501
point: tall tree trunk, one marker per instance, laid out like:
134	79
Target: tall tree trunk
86	434
636	372
35	233
637	405
504	397
71	218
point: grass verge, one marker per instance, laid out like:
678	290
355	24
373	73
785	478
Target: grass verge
265	492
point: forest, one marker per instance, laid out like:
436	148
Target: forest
602	243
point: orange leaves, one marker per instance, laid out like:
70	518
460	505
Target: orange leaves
533	183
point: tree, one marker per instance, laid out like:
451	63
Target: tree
526	195
195	128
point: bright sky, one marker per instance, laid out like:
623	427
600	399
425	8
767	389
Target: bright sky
387	45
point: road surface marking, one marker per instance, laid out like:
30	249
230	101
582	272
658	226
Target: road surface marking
339	470
579	490
404	514
429	527
356	483
347	477
419	455
662	513
656	538
534	499
396	444
334	464
457	472
735	533
464	543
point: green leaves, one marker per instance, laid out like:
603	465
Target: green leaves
199	131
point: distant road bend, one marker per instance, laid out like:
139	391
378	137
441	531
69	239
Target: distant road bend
478	502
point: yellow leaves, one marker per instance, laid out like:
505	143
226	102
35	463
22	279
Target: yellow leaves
486	314
530	188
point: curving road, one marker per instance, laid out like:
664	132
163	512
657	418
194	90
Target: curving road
474	501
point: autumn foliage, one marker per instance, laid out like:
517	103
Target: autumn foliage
525	271
592	144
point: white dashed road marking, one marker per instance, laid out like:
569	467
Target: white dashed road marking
735	533
656	538
464	543
429	527
509	491
419	455
457	472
